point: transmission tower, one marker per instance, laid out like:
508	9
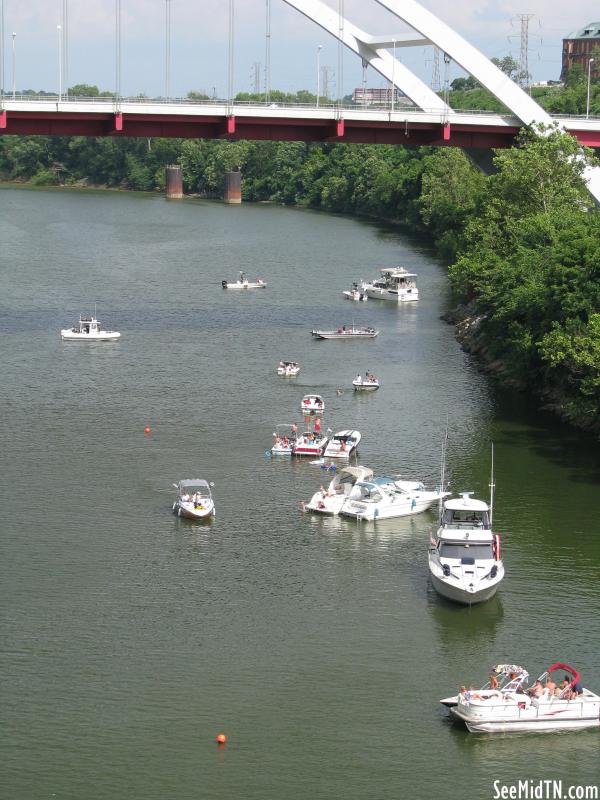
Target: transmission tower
435	77
523	76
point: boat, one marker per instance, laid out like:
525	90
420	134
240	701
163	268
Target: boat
342	444
331	499
194	499
504	709
367	384
312	404
385	497
356	294
465	561
311	442
88	329
346	332
506	678
243	283
284	439
395	284
288	368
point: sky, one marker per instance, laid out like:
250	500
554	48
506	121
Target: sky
199	42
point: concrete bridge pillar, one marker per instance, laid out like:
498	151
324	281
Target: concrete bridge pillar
233	187
174	182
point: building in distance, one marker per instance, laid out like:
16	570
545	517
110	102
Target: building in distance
579	47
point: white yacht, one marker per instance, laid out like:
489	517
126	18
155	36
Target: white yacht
465	562
194	499
395	284
509	708
386	497
88	329
342	444
331	499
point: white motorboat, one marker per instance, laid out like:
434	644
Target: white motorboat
395	284
568	707
331	499
243	283
284	439
386	497
346	332
506	678
312	404
342	444
465	561
88	329
194	499
311	442
288	368
355	294
367	384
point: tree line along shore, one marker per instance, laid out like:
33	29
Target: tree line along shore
522	244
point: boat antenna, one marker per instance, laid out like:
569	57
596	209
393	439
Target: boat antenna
492	487
443	470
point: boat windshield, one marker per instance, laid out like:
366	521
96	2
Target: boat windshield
465	518
466	550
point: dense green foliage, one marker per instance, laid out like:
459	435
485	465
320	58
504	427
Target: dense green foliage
524	241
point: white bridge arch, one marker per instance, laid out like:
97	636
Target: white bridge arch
374	50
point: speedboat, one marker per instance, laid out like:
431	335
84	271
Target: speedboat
243	283
88	329
506	678
331	499
502	710
284	440
386	497
465	561
288	368
342	444
312	404
194	499
356	294
367	384
395	284
346	332
311	442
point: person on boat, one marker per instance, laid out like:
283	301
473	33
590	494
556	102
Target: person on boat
537	690
294	428
493	681
358	379
343	446
317	425
550	685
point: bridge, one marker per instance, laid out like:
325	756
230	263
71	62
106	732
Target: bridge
429	120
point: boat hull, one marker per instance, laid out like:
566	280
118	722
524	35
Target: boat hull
537	723
105	336
404	508
188	511
245	285
365	387
345	336
459	595
392	295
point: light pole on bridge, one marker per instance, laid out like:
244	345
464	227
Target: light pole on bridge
587	105
167	48
393	75
14	63
319	48
60	62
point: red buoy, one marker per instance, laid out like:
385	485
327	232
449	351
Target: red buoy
220	738
147	429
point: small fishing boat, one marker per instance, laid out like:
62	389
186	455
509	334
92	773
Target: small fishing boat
312	404
386	497
88	329
331	499
367	384
311	442
284	439
243	283
396	284
194	499
356	294
342	444
288	368
346	332
509	708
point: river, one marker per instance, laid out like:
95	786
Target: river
131	638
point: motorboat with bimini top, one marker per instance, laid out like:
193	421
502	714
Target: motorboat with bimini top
346	332
356	294
331	499
386	497
194	499
367	384
288	368
284	439
568	706
395	284
465	561
342	444
88	329
243	283
312	404
311	442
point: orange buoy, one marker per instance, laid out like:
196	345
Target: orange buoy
220	738
147	429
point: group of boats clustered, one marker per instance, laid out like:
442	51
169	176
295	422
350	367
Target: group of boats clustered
464	555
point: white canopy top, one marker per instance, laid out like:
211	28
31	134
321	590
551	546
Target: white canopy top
465	503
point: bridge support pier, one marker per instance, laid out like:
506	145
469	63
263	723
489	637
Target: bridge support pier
233	187
174	182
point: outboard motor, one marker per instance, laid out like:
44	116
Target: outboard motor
224	284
